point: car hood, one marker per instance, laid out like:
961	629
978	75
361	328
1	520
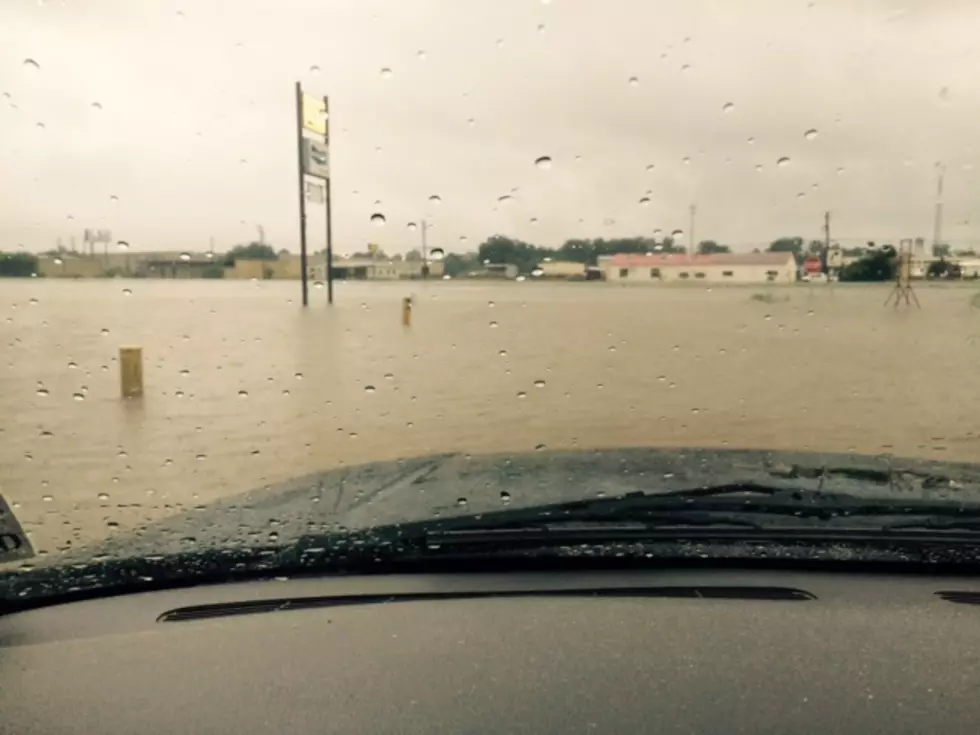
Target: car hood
454	485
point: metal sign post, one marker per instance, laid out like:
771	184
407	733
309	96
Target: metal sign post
313	152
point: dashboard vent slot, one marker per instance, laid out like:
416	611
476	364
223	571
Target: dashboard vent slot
707	592
962	597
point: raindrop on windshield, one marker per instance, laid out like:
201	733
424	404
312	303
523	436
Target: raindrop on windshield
437	254
810	134
504	497
243	394
96	105
728	107
103	496
420	53
78	396
47	498
127	292
31	64
369	389
122	245
633	81
386	73
539	447
502	353
435	199
412	227
72	365
544	162
104	332
314	69
377	219
645	201
521	394
677	233
505	199
43	392
461	502
539	383
493	325
784	161
185	257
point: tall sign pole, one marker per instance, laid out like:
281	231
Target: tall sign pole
301	160
329	268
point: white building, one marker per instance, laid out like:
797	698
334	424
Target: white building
680	267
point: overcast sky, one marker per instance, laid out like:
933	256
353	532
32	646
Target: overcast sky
184	112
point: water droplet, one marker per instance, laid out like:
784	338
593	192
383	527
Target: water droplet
728	107
784	161
751	141
369	389
686	67
78	396
114	199
538	447
386	73
104	332
43	392
461	502
677	233
687	160
493	325
185	257
39	125
412	227
645	202
810	134
505	199
31	64
437	254
541	28
103	496
32	301
377	219
502	353
127	292
243	394
200	457
521	394
47	498
539	383
504	497
314	69
543	162
97	106
420	53
298	376
634	81
840	170
758	168
122	245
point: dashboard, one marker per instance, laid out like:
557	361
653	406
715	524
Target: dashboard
661	651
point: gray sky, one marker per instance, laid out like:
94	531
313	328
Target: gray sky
196	133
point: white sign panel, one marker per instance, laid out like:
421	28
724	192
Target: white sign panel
14	543
316	158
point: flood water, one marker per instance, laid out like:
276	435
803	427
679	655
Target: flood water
245	388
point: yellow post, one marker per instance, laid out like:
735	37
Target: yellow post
407	311
131	371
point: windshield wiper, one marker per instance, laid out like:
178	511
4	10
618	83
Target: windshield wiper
727	510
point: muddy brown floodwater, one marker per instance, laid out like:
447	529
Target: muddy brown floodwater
245	388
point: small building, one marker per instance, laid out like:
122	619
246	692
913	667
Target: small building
716	268
373	269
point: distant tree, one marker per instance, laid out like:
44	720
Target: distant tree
787	245
18	265
457	264
710	247
877	265
814	247
252	251
413	256
970	253
501	249
941	250
943	268
397	258
213	271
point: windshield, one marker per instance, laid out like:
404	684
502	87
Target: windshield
245	247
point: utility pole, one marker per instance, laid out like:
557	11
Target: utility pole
937	225
826	232
693	247
425	252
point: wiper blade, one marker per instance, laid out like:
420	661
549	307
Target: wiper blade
751	505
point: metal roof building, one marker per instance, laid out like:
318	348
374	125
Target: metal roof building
718	268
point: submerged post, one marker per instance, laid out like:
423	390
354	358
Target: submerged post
131	371
407	311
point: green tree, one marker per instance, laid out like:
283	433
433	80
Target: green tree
252	251
787	245
18	265
710	247
500	249
942	268
213	271
878	265
413	256
941	250
456	264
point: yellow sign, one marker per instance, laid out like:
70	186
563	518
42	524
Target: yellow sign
315	114
373	248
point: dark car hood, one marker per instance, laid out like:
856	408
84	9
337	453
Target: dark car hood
454	485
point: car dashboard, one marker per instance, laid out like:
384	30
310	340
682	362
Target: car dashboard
658	651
